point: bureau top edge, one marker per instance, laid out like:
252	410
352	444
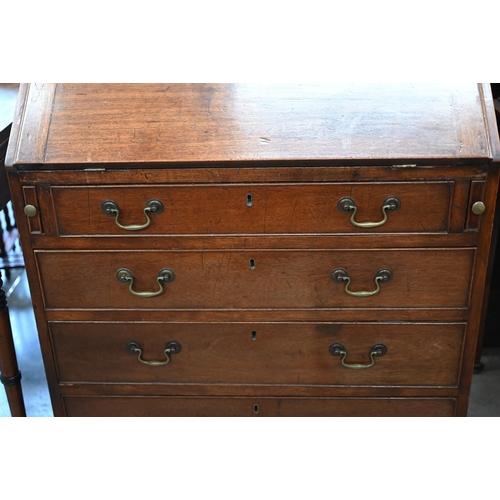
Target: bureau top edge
133	125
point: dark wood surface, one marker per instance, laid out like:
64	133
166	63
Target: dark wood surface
201	149
489	332
264	407
419	354
279	208
223	280
220	123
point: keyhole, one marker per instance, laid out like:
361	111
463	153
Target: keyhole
256	409
254	335
249	200
252	264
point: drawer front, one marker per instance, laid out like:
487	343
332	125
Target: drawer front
256	279
108	406
270	353
253	209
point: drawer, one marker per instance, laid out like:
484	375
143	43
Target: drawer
252	209
417	354
109	406
425	278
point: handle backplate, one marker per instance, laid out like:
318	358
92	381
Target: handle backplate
133	347
347	204
339	350
164	275
153	207
383	276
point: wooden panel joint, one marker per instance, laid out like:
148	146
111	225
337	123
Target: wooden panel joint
458	209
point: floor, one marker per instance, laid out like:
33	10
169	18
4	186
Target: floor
29	357
485	394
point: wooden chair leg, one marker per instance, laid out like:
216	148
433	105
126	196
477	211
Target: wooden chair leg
10	376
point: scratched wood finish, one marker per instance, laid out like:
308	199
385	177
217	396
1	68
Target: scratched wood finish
253	208
179	123
225	280
257	406
244	353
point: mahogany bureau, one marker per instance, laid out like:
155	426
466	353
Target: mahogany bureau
256	250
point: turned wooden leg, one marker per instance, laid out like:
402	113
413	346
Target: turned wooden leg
10	376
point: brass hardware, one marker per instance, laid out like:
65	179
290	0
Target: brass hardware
30	210
125	275
383	275
251	264
478	208
256	409
339	350
172	348
347	204
254	335
249	200
155	207
409	165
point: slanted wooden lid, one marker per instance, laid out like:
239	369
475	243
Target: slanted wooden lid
70	125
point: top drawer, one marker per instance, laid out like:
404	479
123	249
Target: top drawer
208	209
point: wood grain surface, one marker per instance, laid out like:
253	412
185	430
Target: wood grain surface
254	208
259	353
256	406
71	124
250	177
424	278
